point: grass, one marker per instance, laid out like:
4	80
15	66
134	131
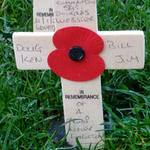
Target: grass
31	100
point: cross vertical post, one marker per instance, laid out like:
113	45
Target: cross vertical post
87	126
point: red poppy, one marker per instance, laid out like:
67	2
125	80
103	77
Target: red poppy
76	57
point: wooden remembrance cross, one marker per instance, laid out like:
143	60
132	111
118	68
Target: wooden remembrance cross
122	50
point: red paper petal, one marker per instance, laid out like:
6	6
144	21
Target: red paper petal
87	69
69	37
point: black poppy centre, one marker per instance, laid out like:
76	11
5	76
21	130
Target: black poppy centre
76	53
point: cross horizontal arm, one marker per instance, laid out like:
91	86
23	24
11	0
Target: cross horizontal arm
32	49
123	49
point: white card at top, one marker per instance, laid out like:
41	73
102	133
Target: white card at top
123	49
43	16
76	13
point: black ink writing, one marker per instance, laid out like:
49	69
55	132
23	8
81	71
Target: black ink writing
81	129
46	14
81	91
74	19
87	136
122	59
116	44
80	104
73	13
75	3
35	48
44	21
31	59
45	28
82	97
79	111
82	121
